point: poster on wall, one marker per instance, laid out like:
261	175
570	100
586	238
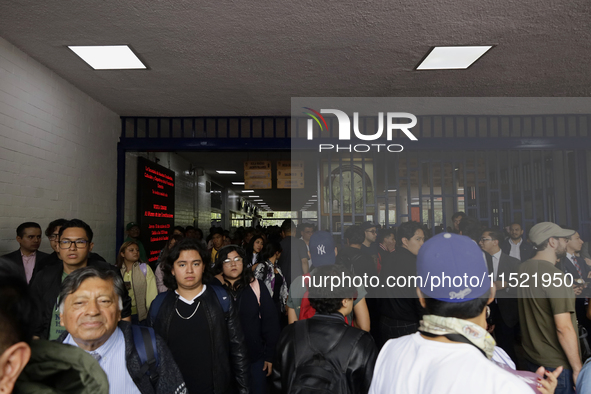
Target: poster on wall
155	202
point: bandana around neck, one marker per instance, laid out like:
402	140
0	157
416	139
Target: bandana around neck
441	326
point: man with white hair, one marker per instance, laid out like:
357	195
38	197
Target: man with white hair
90	310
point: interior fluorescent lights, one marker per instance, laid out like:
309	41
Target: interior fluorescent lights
237	183
226	172
452	58
253	197
108	57
247	191
258	200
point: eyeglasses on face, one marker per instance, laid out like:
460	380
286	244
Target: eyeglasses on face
485	239
67	244
54	237
237	260
371	231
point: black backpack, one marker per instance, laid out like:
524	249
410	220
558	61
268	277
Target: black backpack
317	372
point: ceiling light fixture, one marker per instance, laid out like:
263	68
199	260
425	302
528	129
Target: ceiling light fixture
237	183
452	57
226	172
108	57
247	191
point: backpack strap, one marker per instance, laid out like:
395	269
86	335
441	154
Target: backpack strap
144	339
301	337
144	269
155	306
223	297
350	338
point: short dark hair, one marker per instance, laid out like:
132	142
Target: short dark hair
459	310
288	225
174	254
75	279
16	311
52	225
471	227
20	230
517	223
217	230
407	230
458	214
355	235
494	234
304	226
77	223
328	299
180	228
384	233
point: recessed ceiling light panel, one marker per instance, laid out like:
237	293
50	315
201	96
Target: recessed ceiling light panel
108	57
453	58
226	172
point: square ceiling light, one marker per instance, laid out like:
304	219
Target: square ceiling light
452	58
109	57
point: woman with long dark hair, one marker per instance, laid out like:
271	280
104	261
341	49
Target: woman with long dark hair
254	249
269	272
256	310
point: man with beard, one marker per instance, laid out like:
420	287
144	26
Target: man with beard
515	245
547	313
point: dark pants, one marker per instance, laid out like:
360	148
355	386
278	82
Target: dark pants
506	337
391	328
565	380
258	378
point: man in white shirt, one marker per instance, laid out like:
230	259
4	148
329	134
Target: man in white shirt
452	351
504	310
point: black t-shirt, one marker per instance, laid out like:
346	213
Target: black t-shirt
190	343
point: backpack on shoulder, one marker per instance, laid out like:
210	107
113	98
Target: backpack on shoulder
144	339
317	372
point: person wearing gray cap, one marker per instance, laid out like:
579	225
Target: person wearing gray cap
547	307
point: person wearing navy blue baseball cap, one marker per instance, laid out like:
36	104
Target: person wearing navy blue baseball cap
454	288
323	252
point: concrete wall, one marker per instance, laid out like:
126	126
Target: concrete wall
58	153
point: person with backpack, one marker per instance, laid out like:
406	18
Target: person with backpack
139	280
256	309
272	276
324	252
200	324
134	359
324	354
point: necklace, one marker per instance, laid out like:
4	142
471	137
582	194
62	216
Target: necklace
181	316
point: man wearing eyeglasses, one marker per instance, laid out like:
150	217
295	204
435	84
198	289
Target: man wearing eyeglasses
504	310
74	248
26	259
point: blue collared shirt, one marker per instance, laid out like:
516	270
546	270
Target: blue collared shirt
113	363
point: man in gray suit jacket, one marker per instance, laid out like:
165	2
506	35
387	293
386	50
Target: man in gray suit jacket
504	310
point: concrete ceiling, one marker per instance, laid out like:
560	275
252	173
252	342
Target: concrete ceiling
249	58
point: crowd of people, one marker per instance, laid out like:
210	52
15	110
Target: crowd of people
242	312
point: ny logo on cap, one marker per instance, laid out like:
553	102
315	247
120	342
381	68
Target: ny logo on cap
321	250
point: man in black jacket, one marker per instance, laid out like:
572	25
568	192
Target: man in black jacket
75	245
504	310
515	245
310	348
400	308
90	310
205	340
28	257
